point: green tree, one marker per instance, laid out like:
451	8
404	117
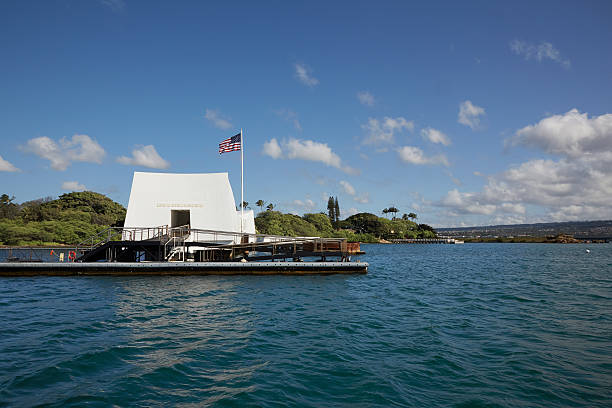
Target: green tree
393	210
276	223
331	209
336	211
70	219
426	231
365	223
412	216
385	211
245	204
8	209
260	204
101	209
321	222
270	207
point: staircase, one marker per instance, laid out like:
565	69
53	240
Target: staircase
118	241
174	249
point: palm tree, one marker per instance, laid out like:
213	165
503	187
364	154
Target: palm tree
260	204
393	210
245	204
412	216
270	207
385	211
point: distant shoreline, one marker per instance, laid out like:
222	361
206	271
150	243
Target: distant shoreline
559	239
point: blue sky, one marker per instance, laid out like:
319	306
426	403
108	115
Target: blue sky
466	114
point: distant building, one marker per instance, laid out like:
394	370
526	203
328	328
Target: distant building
200	201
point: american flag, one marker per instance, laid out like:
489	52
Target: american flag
230	145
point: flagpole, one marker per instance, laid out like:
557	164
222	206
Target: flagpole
241	184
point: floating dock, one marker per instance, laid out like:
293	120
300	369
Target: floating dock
179	268
189	251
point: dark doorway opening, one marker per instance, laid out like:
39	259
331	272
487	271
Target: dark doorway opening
180	218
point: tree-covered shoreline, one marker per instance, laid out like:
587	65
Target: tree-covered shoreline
67	220
72	218
362	227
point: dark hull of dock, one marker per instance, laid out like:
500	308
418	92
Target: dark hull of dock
180	268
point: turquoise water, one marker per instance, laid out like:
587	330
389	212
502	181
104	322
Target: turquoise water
475	325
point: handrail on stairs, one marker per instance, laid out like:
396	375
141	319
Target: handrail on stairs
128	234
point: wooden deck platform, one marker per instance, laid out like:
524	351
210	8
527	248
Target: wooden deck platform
16	269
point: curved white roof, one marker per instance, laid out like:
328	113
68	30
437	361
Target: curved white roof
207	196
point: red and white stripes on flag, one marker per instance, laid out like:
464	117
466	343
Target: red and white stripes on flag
230	145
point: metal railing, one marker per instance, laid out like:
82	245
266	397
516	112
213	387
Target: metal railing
175	237
177	246
121	233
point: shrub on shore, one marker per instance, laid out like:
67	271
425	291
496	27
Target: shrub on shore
70	219
362	227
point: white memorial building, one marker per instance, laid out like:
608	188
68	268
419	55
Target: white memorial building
200	201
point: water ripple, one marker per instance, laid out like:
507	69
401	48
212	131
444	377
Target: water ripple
465	326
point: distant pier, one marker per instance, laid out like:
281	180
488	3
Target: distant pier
441	240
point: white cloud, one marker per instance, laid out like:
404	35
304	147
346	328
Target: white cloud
73	186
469	114
290	116
81	148
572	134
345	213
218	120
538	52
435	136
414	155
577	186
347	187
366	98
306	150
515	208
115	5
303	73
145	156
272	148
363	198
313	151
7	166
467	203
304	205
382	132
454	179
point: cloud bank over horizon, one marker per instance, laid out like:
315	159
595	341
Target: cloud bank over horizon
576	185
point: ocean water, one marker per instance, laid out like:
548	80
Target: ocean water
474	325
